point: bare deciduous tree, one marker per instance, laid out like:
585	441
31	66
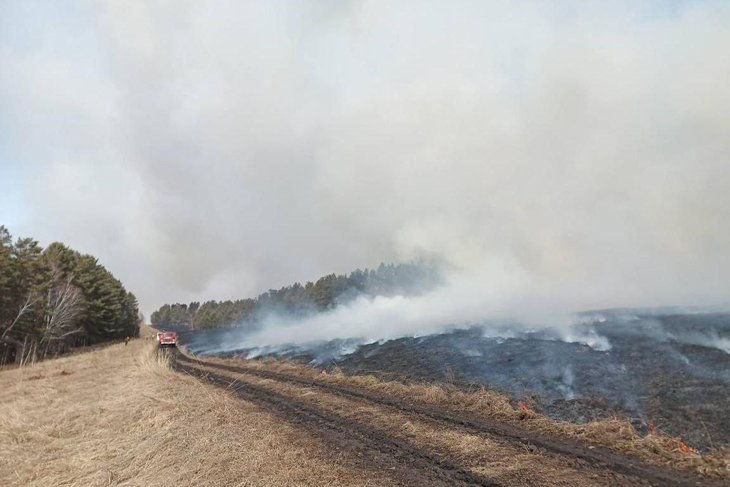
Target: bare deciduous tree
24	309
63	307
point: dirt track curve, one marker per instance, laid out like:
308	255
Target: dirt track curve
418	444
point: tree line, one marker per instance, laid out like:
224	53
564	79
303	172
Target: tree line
301	299
56	298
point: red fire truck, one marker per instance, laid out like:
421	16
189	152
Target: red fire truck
167	339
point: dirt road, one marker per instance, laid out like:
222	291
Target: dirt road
417	444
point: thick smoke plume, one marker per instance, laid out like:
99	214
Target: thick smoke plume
456	304
554	158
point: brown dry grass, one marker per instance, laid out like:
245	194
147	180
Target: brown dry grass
120	416
617	434
501	461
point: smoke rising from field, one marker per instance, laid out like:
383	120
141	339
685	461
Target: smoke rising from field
458	303
554	159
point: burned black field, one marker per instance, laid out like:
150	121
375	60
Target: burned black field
670	370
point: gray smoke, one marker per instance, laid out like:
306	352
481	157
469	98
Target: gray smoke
555	158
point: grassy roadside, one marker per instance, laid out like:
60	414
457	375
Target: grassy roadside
503	462
617	434
120	416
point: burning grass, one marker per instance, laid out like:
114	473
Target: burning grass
120	416
616	433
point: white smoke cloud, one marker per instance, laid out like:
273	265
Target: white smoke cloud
557	159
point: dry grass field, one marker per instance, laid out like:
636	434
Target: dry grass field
120	416
127	415
617	433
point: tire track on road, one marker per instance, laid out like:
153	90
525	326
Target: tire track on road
596	456
410	465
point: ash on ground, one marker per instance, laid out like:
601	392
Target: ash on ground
669	369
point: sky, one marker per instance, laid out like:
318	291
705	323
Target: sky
554	155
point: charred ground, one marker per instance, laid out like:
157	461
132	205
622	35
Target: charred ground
665	369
